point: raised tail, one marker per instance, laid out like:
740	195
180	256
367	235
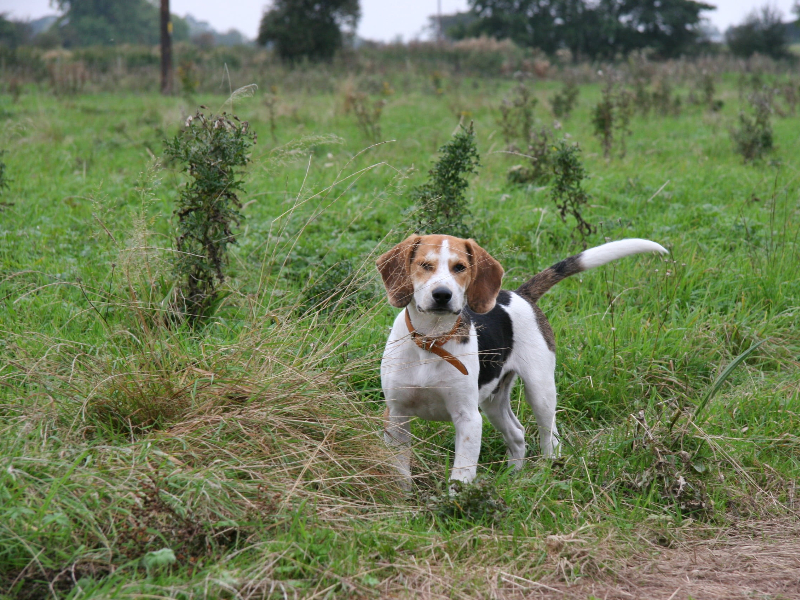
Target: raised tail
536	286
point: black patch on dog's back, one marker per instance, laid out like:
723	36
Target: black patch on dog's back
495	338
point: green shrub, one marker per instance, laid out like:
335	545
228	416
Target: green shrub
3	176
442	204
567	192
213	151
523	137
564	100
753	138
611	116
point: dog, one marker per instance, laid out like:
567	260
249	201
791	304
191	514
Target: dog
460	343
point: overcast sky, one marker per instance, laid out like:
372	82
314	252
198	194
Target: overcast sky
380	19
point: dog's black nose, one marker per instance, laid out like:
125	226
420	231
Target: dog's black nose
441	295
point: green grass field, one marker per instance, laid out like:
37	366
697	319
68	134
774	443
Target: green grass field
245	460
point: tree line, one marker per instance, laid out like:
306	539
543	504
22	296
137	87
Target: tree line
317	29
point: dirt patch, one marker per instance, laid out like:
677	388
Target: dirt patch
752	560
748	560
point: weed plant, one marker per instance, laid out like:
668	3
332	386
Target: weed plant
368	114
753	138
567	189
611	116
441	201
524	137
212	150
564	101
4	180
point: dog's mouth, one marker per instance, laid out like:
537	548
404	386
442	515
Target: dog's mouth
436	310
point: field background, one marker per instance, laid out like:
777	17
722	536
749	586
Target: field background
245	460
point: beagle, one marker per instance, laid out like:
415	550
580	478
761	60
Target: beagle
461	341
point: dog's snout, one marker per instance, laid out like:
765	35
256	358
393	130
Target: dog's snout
441	295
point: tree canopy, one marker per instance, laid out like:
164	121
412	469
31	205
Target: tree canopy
590	29
13	33
762	31
109	22
313	29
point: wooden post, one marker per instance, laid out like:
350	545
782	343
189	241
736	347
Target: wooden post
166	49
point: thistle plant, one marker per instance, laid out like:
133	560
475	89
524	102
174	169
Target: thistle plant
212	150
442	200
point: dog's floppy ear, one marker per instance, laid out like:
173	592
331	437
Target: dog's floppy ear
487	276
395	269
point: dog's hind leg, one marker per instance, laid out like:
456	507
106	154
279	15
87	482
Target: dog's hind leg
540	393
498	410
397	435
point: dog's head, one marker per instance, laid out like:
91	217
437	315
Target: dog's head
441	274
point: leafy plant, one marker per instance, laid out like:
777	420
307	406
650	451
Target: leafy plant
567	191
522	137
564	100
611	116
188	76
442	201
603	119
213	151
665	102
753	138
368	114
477	502
516	115
539	154
3	177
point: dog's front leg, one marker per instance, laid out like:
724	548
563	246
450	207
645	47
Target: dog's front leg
469	426
397	435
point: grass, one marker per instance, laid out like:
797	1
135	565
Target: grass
246	461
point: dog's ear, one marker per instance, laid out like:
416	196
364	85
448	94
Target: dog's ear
487	276
395	269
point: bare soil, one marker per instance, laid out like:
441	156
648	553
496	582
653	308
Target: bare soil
747	560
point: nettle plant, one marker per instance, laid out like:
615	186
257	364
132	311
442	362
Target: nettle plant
213	151
441	201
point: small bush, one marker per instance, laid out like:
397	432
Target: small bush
611	116
564	101
3	176
567	192
603	120
753	138
368	114
442	202
523	137
516	116
212	150
665	102
539	154
189	78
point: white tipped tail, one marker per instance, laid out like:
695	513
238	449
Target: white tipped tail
594	257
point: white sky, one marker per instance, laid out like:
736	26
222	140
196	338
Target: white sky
380	19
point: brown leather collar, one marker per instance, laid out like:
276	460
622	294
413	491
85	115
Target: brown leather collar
434	344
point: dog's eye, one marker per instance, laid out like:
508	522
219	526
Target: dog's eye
426	266
459	268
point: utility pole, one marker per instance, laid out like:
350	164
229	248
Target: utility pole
166	49
439	33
